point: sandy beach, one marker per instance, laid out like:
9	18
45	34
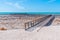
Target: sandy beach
51	32
46	33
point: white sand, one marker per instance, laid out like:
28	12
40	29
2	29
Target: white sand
46	33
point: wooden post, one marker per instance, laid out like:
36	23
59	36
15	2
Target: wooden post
27	25
34	22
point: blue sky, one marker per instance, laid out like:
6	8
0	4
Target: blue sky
29	5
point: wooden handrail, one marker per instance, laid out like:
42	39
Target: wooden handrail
35	22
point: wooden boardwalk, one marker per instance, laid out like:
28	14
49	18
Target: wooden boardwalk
38	22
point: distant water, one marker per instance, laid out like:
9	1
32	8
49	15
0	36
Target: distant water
37	13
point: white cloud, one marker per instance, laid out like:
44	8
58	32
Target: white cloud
51	0
15	5
9	3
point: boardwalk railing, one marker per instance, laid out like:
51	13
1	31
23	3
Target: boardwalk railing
35	22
